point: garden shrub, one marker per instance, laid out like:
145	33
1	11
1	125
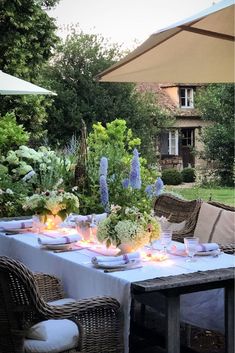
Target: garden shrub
116	142
171	176
188	175
12	135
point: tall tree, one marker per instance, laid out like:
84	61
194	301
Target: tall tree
27	40
80	96
216	104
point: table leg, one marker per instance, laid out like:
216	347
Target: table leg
173	324
229	318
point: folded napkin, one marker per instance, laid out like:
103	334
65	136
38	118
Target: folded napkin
96	218
16	224
179	248
65	239
116	260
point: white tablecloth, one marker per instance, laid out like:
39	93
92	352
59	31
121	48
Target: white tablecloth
81	280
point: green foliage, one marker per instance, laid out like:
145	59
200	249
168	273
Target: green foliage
12	135
80	96
171	176
216	104
11	195
27	39
148	120
188	175
115	142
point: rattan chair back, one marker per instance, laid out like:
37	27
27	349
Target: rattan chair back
20	306
175	209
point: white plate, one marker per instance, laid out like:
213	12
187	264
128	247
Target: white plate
56	246
109	265
208	253
15	230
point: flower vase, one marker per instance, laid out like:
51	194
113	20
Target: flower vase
126	248
48	222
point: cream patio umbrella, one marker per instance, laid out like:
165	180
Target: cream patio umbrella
11	85
197	50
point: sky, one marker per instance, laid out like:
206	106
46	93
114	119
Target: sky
126	22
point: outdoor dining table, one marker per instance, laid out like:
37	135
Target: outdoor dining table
170	278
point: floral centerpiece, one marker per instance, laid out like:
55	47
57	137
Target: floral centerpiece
127	225
55	203
131	222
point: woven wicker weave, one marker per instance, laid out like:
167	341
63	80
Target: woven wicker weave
22	305
178	210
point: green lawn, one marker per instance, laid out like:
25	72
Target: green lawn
224	195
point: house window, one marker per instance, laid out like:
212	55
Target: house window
169	143
186	97
187	137
173	142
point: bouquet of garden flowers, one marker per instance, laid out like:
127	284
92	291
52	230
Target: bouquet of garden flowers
55	202
131	222
128	225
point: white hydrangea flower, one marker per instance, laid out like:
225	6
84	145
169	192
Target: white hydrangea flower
12	158
9	191
24	168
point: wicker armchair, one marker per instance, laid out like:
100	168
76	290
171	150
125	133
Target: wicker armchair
23	303
178	210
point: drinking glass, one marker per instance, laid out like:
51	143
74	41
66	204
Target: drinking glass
165	239
191	244
37	226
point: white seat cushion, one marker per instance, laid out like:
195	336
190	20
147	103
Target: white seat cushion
62	301
61	335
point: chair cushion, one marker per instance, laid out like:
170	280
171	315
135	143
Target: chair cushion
224	232
176	227
61	335
62	301
206	219
215	224
37	332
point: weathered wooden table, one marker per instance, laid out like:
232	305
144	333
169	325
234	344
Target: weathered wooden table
171	287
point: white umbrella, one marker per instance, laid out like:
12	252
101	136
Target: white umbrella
197	50
12	85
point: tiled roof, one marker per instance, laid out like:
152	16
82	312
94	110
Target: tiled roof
165	100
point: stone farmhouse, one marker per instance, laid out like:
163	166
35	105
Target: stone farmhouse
179	146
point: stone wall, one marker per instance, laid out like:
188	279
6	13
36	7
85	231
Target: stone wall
171	162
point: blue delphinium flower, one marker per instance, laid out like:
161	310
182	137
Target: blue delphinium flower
103	166
135	179
125	183
104	193
159	186
149	191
